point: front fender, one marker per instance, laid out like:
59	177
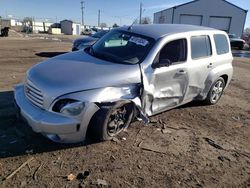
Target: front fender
127	93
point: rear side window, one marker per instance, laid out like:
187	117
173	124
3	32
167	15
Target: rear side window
221	44
200	46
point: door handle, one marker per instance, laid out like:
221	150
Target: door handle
181	72
210	65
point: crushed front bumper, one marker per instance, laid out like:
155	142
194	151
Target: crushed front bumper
57	127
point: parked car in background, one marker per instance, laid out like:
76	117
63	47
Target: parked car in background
248	41
81	43
87	32
236	42
131	72
4	32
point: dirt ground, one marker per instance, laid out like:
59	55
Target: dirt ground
191	146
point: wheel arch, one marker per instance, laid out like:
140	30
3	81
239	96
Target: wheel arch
103	105
225	77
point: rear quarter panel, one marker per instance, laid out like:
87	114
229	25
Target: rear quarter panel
222	65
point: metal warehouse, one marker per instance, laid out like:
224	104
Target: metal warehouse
219	14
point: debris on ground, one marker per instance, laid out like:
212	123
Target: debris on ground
61	165
116	140
223	158
236	118
212	143
152	148
129	184
71	177
36	171
166	131
112	158
100	182
153	121
83	175
19	168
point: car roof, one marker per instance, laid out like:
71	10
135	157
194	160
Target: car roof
157	31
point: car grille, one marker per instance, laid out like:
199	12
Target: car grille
34	94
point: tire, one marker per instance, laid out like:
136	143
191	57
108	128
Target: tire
215	92
109	121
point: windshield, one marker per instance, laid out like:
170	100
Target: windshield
122	47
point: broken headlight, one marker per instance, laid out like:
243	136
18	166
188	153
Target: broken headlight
69	107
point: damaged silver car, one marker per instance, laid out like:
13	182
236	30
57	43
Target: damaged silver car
132	72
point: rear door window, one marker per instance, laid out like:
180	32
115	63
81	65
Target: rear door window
221	43
200	46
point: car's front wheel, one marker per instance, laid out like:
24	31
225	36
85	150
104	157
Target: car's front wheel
110	120
215	91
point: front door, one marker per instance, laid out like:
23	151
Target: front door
165	85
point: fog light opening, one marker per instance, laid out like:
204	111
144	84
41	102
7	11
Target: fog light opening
53	137
78	127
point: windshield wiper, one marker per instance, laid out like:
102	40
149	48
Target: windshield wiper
106	57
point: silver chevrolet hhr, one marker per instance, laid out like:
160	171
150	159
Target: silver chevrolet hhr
131	72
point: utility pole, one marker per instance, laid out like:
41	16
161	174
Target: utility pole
99	17
140	13
82	9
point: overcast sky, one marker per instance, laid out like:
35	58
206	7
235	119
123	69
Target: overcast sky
112	11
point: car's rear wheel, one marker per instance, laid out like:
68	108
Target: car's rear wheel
109	121
215	91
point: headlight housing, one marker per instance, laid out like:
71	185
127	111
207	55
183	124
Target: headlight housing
69	107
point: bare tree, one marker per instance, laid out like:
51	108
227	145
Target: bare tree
247	31
27	25
115	25
146	20
28	21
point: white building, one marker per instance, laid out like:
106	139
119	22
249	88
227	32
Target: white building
40	26
15	22
11	22
70	28
219	14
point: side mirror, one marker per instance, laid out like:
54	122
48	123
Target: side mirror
162	63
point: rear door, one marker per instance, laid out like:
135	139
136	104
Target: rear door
200	64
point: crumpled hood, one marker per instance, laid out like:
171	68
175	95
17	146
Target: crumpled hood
78	71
